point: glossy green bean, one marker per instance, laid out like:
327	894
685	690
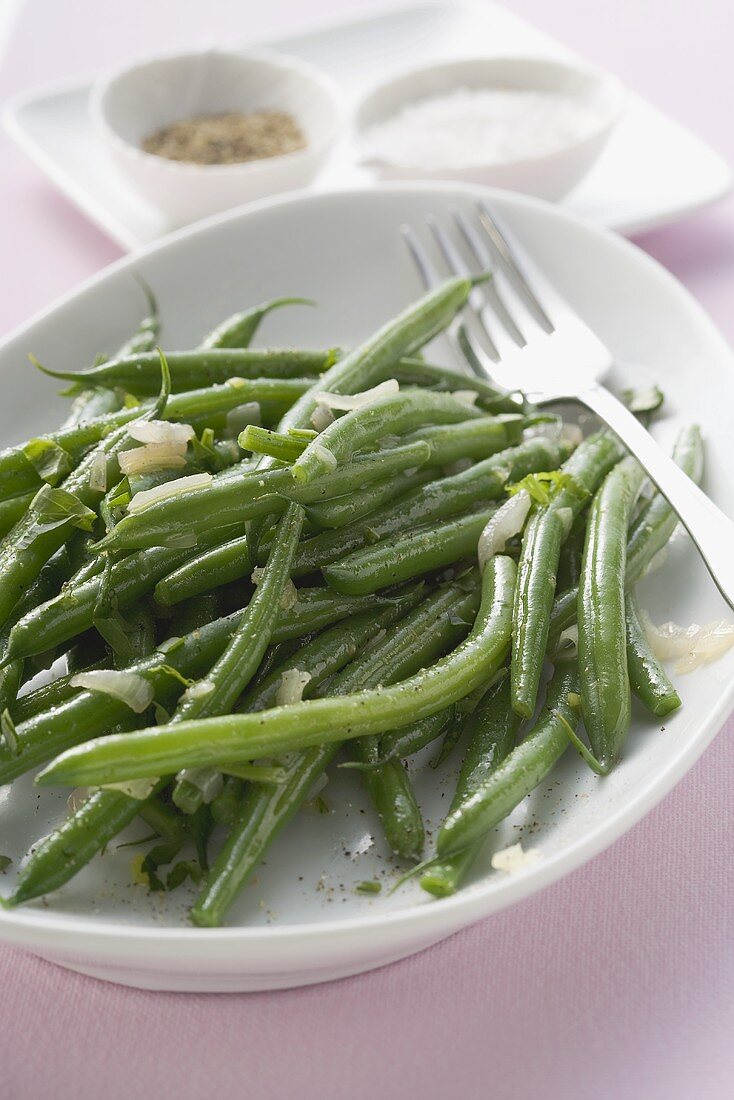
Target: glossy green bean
648	535
234	669
264	813
438	500
501	789
648	679
401	743
345	510
239	330
89	714
232	498
12	510
139	373
416	372
545	532
240	738
201	408
493	729
70	847
407	556
603	676
367	425
71	613
474	439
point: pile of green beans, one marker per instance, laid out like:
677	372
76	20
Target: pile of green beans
319	595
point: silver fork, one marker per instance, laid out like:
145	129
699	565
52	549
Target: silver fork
536	343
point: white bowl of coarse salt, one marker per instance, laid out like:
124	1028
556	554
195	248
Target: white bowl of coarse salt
526	124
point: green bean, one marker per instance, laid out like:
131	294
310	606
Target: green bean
139	374
648	535
648	678
278	445
89	714
475	439
363	470
70	847
366	425
71	613
194	613
239	330
12	510
324	655
51	576
545	532
209	570
345	510
603	676
416	372
440	499
240	738
501	789
404	742
233	671
91	404
493	728
659	521
407	556
371	361
231	499
265	813
201	408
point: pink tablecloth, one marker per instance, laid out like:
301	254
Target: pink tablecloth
617	982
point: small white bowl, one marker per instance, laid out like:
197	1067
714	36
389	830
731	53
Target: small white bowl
135	101
549	175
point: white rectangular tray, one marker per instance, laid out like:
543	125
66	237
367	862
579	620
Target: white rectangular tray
653	171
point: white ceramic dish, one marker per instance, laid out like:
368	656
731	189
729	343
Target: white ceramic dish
549	175
652	170
301	921
135	101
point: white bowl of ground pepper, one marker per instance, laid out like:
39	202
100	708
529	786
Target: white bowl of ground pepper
526	124
201	132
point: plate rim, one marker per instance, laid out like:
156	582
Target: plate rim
471	903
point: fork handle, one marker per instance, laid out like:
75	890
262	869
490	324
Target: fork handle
710	529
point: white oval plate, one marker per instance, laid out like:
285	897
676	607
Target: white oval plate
301	920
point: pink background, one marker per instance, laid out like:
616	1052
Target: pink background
617	982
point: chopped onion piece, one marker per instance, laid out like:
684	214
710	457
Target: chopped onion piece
292	684
160	431
514	858
689	646
347	401
326	456
547	429
171	489
321	418
571	434
569	639
138	789
77	798
98	472
128	687
208	781
467	397
290	596
200	688
152	458
506	522
257	575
